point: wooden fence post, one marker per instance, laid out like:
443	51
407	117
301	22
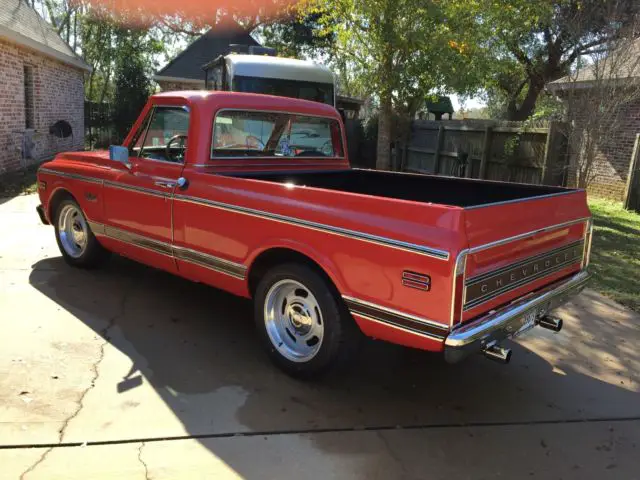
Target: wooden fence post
629	192
486	151
436	156
550	153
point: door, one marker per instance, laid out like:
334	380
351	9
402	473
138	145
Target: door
138	199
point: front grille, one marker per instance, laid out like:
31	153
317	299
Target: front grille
485	287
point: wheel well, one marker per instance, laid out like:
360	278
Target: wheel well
278	256
58	197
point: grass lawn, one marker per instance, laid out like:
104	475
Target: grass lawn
615	253
19	183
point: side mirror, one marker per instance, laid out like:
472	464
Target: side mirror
118	153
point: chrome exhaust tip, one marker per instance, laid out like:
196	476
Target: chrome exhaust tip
551	323
497	354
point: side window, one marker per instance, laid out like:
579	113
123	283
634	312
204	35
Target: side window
271	134
166	136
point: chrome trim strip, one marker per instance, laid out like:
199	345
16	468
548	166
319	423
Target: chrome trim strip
322	164
480	300
494	327
220	265
588	237
461	257
517	200
387	242
479	278
138	240
209	261
398	327
504	241
133	188
396	317
73	176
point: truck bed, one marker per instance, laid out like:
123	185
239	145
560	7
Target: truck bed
452	191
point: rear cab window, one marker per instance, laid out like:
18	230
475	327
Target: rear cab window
241	133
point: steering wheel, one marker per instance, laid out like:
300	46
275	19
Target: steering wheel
327	148
167	149
254	142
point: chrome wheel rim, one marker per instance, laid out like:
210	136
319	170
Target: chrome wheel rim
73	231
293	320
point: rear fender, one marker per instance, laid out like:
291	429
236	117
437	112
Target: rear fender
325	263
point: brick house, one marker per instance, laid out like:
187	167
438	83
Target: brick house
613	163
42	83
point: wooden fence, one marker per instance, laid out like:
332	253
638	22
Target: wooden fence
493	150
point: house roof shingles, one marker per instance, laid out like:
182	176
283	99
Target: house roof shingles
21	24
621	64
188	64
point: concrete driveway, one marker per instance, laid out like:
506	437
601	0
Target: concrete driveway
128	372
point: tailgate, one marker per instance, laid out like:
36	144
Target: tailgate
519	246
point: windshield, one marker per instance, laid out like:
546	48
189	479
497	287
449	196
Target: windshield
317	92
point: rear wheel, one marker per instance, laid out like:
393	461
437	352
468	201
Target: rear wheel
78	245
303	323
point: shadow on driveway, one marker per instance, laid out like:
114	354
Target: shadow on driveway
193	342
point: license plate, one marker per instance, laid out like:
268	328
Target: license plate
529	322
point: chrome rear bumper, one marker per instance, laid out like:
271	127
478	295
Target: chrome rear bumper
498	325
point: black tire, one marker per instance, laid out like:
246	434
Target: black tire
93	254
340	335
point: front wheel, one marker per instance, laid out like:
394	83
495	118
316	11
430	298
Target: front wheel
304	325
78	245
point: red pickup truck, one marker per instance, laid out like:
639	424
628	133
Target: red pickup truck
254	194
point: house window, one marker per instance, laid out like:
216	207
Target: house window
28	97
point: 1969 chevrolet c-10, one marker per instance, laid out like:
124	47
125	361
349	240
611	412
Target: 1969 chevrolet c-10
254	194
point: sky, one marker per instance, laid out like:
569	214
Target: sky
469	103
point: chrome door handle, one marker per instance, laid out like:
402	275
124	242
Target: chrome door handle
165	184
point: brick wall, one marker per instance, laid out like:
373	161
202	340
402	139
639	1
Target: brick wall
611	167
58	94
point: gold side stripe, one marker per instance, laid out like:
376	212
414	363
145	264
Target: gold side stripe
220	265
398	327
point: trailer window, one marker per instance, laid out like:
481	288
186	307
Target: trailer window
314	91
271	134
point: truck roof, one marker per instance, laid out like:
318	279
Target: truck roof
250	101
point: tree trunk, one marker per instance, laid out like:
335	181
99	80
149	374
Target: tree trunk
528	105
383	157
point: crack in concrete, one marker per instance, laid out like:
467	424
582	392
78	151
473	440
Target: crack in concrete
146	469
80	402
393	454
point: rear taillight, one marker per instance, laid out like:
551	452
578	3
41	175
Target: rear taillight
588	236
457	297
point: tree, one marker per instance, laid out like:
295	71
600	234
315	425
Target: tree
132	84
400	51
298	36
530	43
